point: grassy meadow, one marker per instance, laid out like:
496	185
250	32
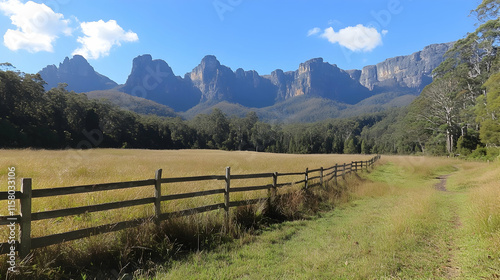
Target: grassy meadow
391	222
52	169
396	225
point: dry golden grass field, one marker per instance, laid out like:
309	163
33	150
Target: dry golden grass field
52	169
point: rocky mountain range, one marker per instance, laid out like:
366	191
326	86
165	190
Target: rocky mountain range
211	83
78	74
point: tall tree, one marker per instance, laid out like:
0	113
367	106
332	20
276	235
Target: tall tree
488	9
488	112
262	136
438	109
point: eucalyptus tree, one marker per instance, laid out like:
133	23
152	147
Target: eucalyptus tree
437	110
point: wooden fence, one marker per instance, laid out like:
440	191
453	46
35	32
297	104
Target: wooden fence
26	243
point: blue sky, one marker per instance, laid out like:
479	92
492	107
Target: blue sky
261	35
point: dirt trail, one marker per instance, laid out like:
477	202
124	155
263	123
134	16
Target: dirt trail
451	269
441	186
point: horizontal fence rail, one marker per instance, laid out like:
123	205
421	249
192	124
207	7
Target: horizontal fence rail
26	243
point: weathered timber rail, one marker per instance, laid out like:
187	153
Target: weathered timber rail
26	243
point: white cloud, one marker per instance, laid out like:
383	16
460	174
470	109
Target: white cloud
384	32
38	26
100	37
334	22
355	38
313	31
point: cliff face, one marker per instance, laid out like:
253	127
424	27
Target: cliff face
321	79
77	73
217	82
253	90
155	80
413	71
314	77
213	82
283	82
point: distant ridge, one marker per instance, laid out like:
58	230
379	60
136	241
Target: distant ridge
132	103
212	84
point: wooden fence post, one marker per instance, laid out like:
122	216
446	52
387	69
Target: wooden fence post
25	225
158	196
321	177
275	184
335	174
306	179
226	198
343	172
272	191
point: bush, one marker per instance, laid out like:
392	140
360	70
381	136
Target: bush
485	153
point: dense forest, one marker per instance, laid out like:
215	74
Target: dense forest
457	114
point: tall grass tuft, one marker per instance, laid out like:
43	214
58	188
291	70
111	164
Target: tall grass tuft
486	208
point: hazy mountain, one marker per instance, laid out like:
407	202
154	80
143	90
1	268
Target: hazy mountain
319	79
315	90
155	80
305	108
132	103
217	82
78	74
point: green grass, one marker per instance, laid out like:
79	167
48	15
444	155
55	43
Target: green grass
477	189
364	241
396	226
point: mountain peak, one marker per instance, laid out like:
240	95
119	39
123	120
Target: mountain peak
210	62
145	58
77	73
314	60
78	57
155	67
210	57
76	64
155	80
